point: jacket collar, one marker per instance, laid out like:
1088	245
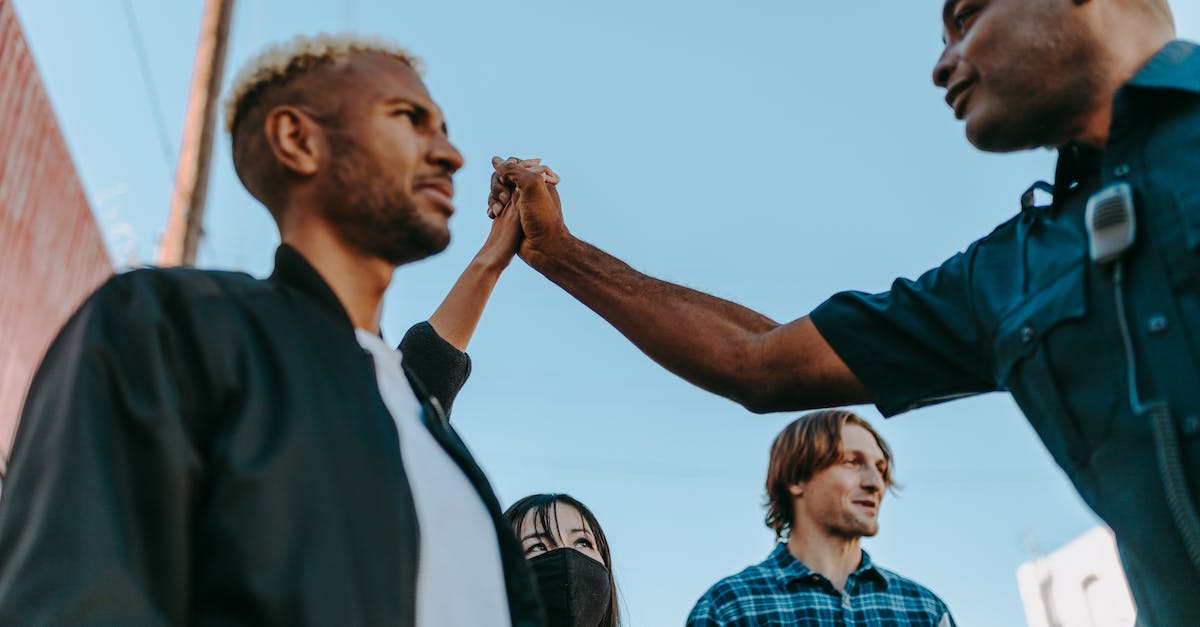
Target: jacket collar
1176	67
294	271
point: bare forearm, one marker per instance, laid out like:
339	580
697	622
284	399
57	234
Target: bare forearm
716	344
458	315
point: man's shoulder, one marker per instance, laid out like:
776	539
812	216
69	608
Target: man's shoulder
899	585
753	580
1004	232
171	296
156	287
187	282
726	600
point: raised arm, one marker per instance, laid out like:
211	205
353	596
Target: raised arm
436	352
716	344
458	315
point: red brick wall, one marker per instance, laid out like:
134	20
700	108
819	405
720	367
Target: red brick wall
51	252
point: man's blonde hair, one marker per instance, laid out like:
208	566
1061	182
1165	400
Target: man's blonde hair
277	76
279	64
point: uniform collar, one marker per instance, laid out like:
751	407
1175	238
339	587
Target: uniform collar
789	569
1077	164
1176	67
293	270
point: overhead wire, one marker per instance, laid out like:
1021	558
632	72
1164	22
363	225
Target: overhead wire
151	89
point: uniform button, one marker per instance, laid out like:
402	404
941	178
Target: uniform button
1157	323
1191	424
1121	170
1027	334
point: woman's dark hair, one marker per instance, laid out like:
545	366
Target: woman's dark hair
545	512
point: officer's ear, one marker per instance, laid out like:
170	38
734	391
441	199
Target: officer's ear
797	489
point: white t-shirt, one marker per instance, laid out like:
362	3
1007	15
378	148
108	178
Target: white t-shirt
460	581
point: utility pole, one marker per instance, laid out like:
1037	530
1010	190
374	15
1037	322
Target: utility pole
185	223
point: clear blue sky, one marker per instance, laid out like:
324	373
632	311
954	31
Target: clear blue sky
771	154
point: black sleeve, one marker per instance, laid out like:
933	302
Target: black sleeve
95	515
442	368
917	344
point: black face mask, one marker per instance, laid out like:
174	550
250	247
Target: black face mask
574	588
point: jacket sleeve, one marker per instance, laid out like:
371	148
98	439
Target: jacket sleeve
95	515
442	368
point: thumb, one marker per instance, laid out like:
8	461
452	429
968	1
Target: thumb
521	177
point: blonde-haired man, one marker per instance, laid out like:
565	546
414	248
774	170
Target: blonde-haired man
825	483
209	448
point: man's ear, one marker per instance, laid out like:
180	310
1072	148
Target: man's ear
796	489
296	139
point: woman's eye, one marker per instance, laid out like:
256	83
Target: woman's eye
405	113
535	548
585	543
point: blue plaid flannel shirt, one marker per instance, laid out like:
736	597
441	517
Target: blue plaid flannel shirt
783	591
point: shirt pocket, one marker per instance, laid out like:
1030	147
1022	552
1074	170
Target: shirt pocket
1187	202
1183	262
1171	171
1025	344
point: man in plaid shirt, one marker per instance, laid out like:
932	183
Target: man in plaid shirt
825	483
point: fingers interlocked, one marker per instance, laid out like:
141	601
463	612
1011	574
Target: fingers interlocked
504	185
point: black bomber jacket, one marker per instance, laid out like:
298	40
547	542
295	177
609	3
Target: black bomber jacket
204	448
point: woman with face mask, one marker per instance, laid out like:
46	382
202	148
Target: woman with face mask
568	553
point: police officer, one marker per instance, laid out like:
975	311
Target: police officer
1094	330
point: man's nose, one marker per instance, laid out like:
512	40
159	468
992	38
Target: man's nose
944	69
872	480
443	153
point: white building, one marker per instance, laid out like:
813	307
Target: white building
1080	585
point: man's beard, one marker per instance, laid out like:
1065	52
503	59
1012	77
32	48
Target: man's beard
372	212
849	526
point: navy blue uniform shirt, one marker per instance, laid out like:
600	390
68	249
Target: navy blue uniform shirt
1025	310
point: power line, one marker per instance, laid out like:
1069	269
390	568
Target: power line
151	90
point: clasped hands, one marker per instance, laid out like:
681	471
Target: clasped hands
528	189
